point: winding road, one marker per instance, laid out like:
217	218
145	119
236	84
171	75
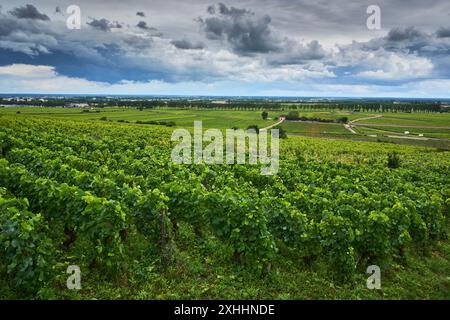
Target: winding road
349	126
274	125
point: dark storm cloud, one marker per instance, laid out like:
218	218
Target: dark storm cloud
104	24
313	51
211	9
153	31
282	44
92	54
402	34
250	34
296	53
443	33
31	36
142	25
406	43
410	40
187	45
101	24
245	33
28	12
232	11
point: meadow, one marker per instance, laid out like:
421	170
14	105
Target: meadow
381	125
182	118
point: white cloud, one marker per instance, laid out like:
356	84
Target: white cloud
394	66
19	78
27	71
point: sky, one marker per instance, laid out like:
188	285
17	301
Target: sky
230	48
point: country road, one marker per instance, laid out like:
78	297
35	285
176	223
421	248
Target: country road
400	126
417	138
350	125
349	128
367	118
274	125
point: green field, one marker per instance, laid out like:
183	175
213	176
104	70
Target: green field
412	119
182	118
426	132
106	196
223	119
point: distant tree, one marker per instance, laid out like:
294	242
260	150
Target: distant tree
342	120
264	115
292	115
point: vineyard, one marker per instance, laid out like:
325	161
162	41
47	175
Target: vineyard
107	197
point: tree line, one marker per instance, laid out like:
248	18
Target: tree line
241	105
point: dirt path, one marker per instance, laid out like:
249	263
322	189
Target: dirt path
274	125
417	138
367	118
399	126
349	128
350	125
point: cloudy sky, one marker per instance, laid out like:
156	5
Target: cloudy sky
247	47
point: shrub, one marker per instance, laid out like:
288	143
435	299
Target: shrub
292	115
393	160
342	120
160	123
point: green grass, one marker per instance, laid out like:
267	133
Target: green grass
427	132
183	118
412	119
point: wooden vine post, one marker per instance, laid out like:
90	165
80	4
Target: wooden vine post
164	238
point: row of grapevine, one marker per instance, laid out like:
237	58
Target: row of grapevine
340	203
